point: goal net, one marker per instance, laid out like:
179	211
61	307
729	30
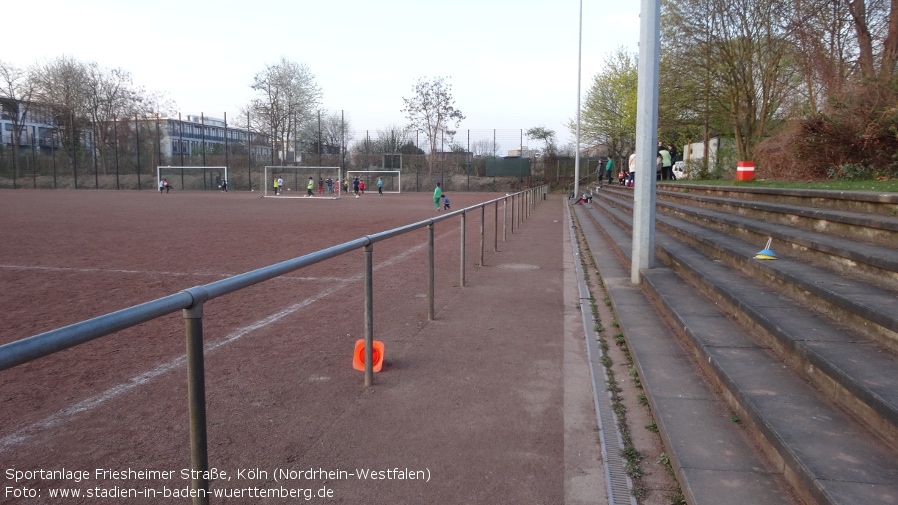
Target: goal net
392	180
295	182
193	178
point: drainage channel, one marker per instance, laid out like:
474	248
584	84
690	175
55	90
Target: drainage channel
618	484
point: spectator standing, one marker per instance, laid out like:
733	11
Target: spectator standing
666	164
673	160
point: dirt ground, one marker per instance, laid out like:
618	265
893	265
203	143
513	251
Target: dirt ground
67	256
276	354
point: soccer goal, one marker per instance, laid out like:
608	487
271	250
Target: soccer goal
193	178
296	182
392	180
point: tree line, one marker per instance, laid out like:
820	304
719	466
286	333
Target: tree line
805	88
82	100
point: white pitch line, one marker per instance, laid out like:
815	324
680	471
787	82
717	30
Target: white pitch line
61	415
153	273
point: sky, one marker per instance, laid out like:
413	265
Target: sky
511	64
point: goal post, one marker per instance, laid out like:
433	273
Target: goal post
193	178
392	180
296	181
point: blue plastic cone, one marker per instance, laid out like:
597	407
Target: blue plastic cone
767	253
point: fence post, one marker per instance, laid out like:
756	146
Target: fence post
196	396
369	314
464	214
430	271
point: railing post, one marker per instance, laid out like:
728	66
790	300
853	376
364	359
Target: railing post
461	261
196	396
496	229
430	311
369	314
505	220
512	214
482	231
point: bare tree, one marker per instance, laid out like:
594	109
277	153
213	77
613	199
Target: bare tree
331	131
484	147
431	110
392	139
16	90
335	130
747	44
686	81
876	25
824	52
288	98
110	95
60	88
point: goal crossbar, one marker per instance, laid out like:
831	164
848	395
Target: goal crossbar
296	181
193	178
392	180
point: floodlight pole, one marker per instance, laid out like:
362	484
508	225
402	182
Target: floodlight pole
579	60
646	139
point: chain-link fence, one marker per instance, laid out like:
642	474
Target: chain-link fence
127	157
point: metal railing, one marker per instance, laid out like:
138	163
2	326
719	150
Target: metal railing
191	301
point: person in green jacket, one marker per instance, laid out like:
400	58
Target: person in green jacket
609	170
437	193
309	187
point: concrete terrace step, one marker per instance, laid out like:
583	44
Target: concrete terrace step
875	264
714	459
870	308
872	228
864	202
778	400
861	375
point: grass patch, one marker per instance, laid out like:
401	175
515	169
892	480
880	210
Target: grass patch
890	186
